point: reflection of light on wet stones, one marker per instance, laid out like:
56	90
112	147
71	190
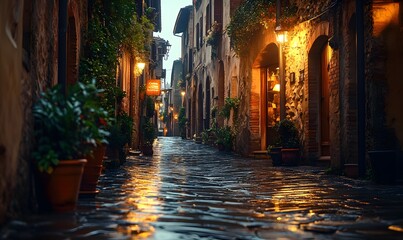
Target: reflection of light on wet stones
397	228
193	191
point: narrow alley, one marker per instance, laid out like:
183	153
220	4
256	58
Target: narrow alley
192	191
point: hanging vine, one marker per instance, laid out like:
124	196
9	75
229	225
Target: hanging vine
113	27
251	17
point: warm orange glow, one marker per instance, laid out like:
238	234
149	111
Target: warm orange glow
145	201
176	116
281	36
153	87
183	93
384	16
141	66
276	88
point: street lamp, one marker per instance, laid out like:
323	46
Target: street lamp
183	93
281	36
141	65
167	48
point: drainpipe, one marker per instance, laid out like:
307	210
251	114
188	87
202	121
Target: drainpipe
62	46
360	86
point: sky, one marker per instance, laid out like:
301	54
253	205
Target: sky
170	10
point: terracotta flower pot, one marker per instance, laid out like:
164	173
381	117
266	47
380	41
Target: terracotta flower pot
92	170
275	155
290	156
61	187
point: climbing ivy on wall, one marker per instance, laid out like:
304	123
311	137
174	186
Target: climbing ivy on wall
251	17
113	27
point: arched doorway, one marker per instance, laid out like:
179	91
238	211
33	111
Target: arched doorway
318	98
265	110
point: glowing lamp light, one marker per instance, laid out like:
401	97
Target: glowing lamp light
183	93
281	35
141	65
276	88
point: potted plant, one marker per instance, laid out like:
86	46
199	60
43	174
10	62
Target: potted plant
120	135
224	138
148	136
62	138
97	120
274	150
289	142
182	122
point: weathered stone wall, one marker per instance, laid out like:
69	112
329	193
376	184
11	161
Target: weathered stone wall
38	65
10	101
384	85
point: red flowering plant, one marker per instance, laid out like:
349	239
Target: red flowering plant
95	119
67	126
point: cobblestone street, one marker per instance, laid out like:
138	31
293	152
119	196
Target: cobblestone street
193	191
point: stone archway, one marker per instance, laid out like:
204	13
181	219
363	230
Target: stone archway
263	105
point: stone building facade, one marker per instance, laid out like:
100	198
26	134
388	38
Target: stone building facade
321	80
31	43
323	94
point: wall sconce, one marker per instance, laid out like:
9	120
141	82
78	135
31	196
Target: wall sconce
176	116
281	35
141	65
276	88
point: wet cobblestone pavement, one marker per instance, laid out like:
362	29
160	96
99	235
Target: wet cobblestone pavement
192	191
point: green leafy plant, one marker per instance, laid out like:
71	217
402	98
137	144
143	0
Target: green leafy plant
251	17
120	131
204	135
214	34
66	126
113	27
182	122
225	137
289	134
96	119
230	103
148	132
150	107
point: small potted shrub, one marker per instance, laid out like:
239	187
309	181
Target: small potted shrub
290	142
63	136
148	136
224	138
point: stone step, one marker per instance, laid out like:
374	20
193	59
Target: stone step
261	154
